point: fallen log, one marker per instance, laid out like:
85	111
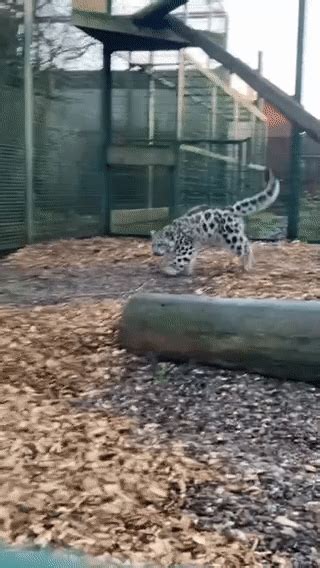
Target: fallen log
276	338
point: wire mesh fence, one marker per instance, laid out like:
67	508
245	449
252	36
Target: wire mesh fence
212	130
180	101
12	153
68	189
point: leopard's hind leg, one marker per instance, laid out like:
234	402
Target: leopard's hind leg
236	241
247	257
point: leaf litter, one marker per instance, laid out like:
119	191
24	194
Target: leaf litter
76	479
113	268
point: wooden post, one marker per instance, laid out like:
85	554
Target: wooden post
275	338
260	101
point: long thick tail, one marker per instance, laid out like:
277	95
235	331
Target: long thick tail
261	200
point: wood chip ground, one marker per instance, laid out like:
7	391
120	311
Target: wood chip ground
126	458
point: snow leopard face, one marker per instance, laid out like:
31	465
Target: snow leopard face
163	241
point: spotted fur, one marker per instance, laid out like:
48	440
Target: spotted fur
202	226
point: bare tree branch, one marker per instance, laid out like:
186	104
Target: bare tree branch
55	42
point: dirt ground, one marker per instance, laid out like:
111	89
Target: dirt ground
128	458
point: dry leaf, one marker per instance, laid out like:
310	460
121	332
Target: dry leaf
79	478
161	547
199	539
282	520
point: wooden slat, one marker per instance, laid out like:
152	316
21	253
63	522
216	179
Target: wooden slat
141	156
122	34
90	5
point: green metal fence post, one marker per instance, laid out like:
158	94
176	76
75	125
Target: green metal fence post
106	130
107	134
28	118
176	201
151	130
296	139
106	125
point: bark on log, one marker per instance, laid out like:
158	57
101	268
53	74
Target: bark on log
274	338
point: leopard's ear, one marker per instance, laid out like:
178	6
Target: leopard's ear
152	233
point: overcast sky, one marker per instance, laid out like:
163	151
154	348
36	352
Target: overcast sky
271	26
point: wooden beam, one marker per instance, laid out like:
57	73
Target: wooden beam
290	108
153	14
122	34
274	338
141	156
90	6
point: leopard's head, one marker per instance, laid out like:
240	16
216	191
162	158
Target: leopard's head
163	241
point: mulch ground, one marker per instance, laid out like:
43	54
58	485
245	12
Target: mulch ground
137	460
117	268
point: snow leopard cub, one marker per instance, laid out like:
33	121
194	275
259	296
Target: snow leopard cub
211	227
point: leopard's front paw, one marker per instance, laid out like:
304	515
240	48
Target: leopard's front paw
169	270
